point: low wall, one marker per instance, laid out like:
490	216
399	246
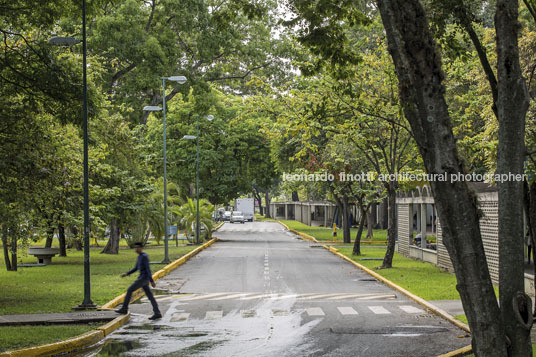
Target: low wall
426	255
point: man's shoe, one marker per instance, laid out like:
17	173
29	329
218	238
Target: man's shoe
122	311
155	317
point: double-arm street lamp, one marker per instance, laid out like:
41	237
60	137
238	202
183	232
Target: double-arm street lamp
191	137
87	303
152	108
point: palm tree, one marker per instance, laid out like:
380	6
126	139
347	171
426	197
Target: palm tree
154	208
187	215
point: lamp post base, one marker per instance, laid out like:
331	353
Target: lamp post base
90	306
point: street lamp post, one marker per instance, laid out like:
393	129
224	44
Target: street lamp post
190	137
87	303
180	80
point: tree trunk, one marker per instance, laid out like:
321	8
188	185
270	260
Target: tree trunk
345	220
295	197
337	216
112	246
77	241
422	93
512	105
261	209
50	234
357	242
384	214
61	240
391	229
5	246
14	252
370	223
267	204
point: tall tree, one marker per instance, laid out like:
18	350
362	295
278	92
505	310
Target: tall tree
418	66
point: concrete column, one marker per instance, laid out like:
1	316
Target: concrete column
423	225
325	215
410	214
286	211
417	209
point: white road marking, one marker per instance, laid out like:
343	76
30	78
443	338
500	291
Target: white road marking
248	313
260	296
279	312
281	297
181	316
347	310
225	297
199	297
164	298
348	296
378	310
319	296
390	296
315	311
411	309
213	315
274	296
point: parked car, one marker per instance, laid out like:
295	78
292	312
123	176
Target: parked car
237	216
227	216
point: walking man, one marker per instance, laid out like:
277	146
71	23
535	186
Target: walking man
144	279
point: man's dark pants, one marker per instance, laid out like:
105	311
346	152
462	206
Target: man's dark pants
144	284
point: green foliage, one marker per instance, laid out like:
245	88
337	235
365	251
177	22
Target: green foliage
208	41
234	152
187	217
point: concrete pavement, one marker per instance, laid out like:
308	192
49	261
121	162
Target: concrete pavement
263	292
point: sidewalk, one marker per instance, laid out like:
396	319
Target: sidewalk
81	317
453	307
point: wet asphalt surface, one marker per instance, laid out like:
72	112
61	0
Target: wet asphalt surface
260	291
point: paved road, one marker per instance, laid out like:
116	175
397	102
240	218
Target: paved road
263	292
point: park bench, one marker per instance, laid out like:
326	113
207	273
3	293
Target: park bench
43	255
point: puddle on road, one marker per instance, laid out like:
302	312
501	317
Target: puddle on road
193	334
117	347
196	349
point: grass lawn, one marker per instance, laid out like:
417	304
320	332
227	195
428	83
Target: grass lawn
423	279
59	287
260	218
15	337
325	233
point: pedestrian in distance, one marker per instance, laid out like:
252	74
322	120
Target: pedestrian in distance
144	279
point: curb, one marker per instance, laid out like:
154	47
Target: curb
217	227
302	235
459	352
90	338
